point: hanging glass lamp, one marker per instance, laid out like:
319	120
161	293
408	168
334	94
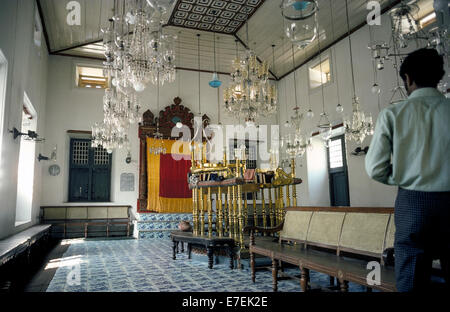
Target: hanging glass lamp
300	21
215	82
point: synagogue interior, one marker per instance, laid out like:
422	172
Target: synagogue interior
224	145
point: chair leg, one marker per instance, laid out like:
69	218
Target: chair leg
331	281
344	286
210	253
231	255
174	249
304	279
274	275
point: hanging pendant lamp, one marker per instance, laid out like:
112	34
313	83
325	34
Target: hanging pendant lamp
215	82
359	125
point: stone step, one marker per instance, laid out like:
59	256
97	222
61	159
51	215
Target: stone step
154	234
157	225
164	217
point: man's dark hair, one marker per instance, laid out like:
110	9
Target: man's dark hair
425	67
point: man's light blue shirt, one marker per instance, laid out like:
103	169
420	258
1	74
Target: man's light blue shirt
416	133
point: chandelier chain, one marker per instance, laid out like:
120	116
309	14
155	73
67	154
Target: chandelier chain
350	45
335	57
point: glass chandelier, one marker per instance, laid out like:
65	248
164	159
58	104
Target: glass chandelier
300	21
157	148
359	124
406	28
250	95
121	109
136	48
296	143
137	52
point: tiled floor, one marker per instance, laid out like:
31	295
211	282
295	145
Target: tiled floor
146	266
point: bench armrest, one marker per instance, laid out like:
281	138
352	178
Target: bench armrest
252	229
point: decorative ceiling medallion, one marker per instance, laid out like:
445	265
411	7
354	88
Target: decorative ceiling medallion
222	16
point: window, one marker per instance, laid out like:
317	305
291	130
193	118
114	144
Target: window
428	20
335	154
320	73
90	172
25	179
3	75
91	77
250	153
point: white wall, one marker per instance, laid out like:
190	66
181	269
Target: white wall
27	72
73	108
363	191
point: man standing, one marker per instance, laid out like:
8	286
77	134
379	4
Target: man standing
411	149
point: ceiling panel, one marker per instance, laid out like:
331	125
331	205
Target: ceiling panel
213	15
265	29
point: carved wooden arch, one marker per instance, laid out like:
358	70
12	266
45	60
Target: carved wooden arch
168	117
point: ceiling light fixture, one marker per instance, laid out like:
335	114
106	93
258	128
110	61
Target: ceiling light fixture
250	95
358	125
300	21
215	82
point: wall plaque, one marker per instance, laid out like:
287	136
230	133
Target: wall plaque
127	182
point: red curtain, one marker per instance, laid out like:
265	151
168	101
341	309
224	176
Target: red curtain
173	177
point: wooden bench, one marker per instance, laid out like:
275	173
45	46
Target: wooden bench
209	243
20	243
84	217
337	241
20	253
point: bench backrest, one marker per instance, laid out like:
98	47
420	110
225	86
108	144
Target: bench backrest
367	231
85	212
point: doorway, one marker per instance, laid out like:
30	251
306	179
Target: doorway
338	172
25	179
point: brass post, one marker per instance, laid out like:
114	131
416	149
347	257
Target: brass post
276	201
272	223
241	217
219	211
209	203
294	187
195	210
202	213
263	203
230	211
194	194
235	217
281	205
288	198
245	208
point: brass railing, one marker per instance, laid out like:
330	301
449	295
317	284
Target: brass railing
231	209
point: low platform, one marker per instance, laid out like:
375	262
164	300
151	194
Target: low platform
210	243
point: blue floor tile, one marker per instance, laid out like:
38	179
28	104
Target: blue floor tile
147	266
